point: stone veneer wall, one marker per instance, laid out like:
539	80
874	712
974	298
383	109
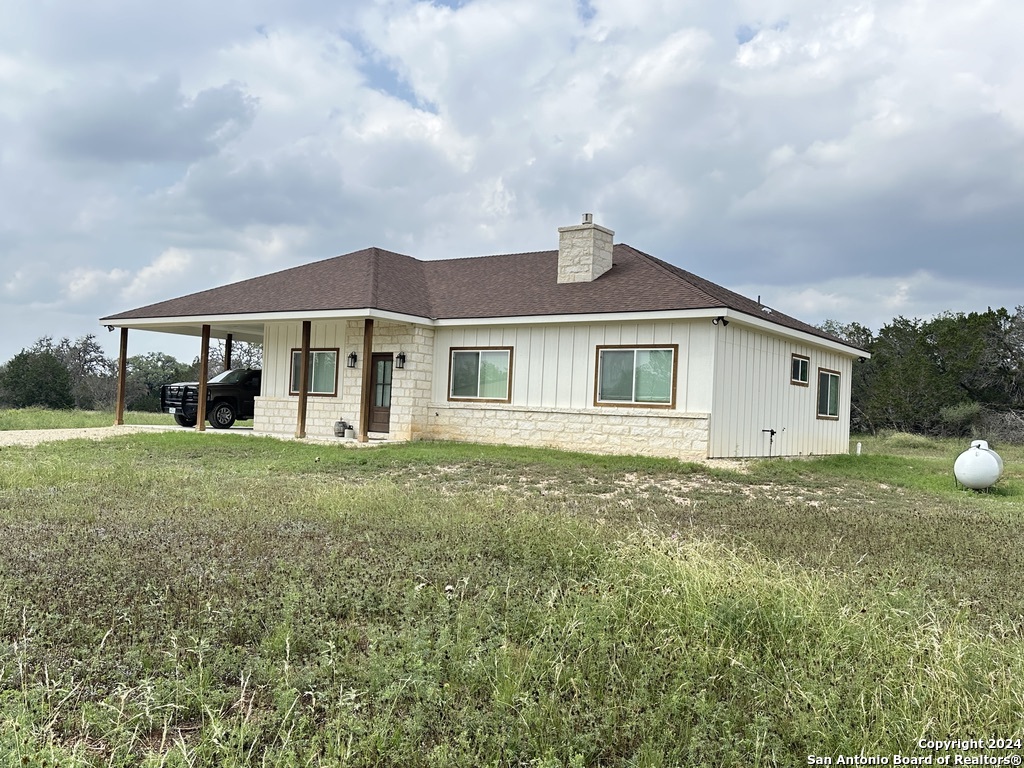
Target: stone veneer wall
584	252
410	387
277	415
648	433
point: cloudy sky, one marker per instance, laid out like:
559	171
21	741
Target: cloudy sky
845	160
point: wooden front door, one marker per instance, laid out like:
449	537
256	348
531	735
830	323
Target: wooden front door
380	392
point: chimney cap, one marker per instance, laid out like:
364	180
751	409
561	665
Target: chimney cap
588	218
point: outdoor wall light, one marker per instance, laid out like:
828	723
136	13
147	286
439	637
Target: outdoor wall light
352	360
400	360
720	319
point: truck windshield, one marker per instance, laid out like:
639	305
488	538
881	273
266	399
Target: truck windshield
234	376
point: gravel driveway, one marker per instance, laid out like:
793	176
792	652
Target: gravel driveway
36	436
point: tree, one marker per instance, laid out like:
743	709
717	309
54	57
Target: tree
937	376
244	354
92	373
852	333
859	336
36	378
147	373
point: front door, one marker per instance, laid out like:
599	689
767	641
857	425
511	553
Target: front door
380	391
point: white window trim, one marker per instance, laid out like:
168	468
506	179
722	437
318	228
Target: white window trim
807	369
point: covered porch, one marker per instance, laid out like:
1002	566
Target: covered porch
371	369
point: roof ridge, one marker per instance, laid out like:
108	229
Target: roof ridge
677	273
487	256
374	259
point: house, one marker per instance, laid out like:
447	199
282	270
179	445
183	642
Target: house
595	347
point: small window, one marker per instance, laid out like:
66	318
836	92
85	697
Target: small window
636	376
801	374
323	372
483	373
828	394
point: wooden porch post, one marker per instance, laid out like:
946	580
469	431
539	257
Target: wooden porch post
300	420
122	369
366	397
227	353
204	374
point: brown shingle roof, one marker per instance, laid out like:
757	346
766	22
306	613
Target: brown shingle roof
512	285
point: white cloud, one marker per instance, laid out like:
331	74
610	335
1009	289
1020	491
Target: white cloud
164	273
83	284
856	156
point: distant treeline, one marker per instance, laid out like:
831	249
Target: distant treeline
954	375
77	374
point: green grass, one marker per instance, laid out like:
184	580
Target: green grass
176	600
43	418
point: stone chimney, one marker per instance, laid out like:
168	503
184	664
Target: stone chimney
584	251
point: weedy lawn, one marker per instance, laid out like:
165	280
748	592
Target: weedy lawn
177	600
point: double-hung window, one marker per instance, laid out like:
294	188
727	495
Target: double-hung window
828	394
480	373
642	375
323	372
800	371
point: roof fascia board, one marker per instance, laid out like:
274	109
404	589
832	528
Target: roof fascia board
589	317
809	338
678	314
154	323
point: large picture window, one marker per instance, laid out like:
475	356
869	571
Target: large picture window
323	371
828	394
636	376
483	373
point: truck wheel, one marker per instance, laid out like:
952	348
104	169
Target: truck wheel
185	421
222	416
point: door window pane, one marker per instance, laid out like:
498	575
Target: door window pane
382	390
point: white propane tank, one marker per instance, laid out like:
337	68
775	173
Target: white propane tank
983	444
978	467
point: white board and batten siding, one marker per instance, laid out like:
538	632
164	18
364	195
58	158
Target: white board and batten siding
754	392
554	366
280	339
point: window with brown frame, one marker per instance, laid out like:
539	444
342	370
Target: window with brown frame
828	394
480	373
800	371
640	375
323	372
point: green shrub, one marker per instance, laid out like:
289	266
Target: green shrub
960	420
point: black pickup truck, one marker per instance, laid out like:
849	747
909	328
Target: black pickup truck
230	396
